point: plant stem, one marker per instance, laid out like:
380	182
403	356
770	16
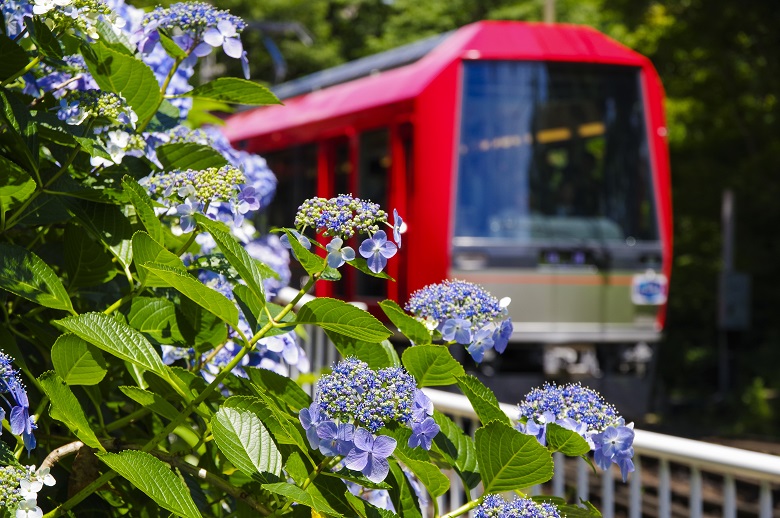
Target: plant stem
23	71
468	506
129	418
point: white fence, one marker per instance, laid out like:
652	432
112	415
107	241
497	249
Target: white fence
674	477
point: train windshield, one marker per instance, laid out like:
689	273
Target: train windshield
552	151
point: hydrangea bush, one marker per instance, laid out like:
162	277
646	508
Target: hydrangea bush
146	368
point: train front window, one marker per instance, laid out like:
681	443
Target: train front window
550	151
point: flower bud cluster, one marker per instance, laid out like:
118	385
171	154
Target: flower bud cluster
494	506
80	16
465	313
107	108
585	412
354	402
21	421
196	27
341	218
10	490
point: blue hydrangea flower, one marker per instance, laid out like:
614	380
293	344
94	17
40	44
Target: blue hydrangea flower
187	211
494	506
377	250
335	439
303	240
502	335
423	433
397	226
422	406
483	340
21	422
369	456
337	255
310	418
457	329
615	445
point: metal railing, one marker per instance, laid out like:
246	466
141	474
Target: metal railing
674	476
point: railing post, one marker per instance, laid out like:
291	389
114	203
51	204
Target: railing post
664	489
559	475
607	494
765	500
583	490
635	490
695	503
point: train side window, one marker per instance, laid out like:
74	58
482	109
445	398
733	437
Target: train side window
296	173
373	173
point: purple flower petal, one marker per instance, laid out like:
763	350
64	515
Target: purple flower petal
376	469
233	47
356	460
384	446
213	37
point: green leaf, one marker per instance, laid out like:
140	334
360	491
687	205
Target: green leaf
77	362
155	317
188	155
13	58
285	427
412	328
201	329
118	42
301	496
23	142
417	461
260	317
144	208
402	493
458	449
15	184
171	47
569	510
152	401
147	250
360	264
115	338
117	72
432	365
86	261
343	318
209	299
234	90
482	399
281	387
366	510
566	441
108	224
510	460
325	495
65	407
246	442
296	467
155	478
246	266
376	355
310	262
25	274
44	39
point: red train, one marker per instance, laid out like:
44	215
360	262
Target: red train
529	158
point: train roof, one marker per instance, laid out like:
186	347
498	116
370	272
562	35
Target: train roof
401	74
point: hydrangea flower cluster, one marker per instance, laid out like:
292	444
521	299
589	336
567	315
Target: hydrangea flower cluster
107	108
19	488
494	506
343	217
585	412
81	16
72	74
20	419
197	28
465	313
354	402
190	191
14	12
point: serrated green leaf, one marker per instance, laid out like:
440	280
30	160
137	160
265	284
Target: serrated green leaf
155	478
432	365
77	362
343	318
458	449
189	155
301	496
155	317
565	441
44	39
207	298
117	72
402	493
261	317
13	58
86	261
116	41
569	510
296	467
7	457
360	264
376	355
23	142
234	90
356	477
144	208
366	510
325	495
280	387
25	274
310	262
246	442
147	250
171	47
246	266
412	328
108	224
15	184
152	401
509	459
285	428
65	408
115	338
167	117
482	399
